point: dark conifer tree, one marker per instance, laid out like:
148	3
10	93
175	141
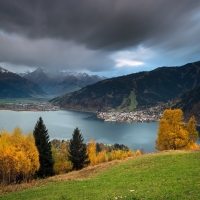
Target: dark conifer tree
78	150
44	148
98	147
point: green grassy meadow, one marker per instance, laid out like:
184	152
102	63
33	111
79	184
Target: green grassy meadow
128	104
166	175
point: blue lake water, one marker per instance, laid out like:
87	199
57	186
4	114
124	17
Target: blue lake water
61	124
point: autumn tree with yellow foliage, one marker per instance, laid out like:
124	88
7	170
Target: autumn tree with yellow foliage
60	156
91	151
174	133
19	158
109	155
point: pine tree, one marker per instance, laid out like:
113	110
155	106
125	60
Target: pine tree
43	145
78	150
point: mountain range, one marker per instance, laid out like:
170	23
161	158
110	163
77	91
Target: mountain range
55	82
181	85
143	89
14	86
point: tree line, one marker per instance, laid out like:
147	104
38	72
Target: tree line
25	157
75	154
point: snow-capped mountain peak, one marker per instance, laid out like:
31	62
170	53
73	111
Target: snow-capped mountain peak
24	73
57	82
2	70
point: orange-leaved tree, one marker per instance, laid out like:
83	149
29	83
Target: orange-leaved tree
60	157
91	148
101	157
19	158
174	133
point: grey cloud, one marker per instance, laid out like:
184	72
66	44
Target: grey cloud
105	24
51	53
85	34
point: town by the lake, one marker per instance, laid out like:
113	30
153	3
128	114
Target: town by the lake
151	114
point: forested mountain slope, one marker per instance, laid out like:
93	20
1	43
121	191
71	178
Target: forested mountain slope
134	90
189	103
15	86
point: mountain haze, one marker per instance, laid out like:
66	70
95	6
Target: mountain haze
136	90
56	82
14	86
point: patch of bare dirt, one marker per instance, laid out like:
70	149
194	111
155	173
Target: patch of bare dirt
86	172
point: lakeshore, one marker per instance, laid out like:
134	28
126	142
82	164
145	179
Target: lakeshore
38	106
152	114
61	124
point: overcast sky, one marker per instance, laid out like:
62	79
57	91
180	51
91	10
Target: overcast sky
104	37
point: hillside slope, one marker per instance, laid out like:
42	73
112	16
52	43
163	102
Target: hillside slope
189	103
15	86
166	175
134	90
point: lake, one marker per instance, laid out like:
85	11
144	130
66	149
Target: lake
61	124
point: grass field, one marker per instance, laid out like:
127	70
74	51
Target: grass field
167	175
128	104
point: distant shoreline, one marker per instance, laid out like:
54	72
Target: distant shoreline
75	110
31	110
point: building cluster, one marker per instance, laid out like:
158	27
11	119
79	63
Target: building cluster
39	106
152	114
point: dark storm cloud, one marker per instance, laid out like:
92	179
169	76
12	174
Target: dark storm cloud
51	53
101	24
117	36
